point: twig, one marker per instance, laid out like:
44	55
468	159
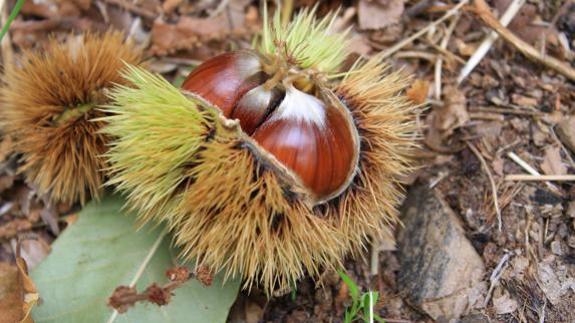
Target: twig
495	275
558	66
141	269
416	54
531	170
125	297
523	164
449	55
507	111
439	62
390	51
374	259
555	178
481	115
482	50
491	181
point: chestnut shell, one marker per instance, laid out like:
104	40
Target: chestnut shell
311	135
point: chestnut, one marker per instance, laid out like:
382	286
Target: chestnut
48	101
271	162
311	134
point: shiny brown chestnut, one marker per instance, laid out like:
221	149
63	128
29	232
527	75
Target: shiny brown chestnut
305	128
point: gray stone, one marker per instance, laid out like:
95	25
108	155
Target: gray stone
440	271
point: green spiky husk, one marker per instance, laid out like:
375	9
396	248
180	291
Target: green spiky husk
307	42
181	163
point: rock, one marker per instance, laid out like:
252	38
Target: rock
566	132
440	272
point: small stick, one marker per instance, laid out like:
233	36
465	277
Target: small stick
416	54
390	51
507	111
523	164
555	178
439	62
495	276
481	115
531	170
558	66
482	50
449	55
374	261
491	181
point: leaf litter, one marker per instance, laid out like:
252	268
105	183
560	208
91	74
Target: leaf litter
506	104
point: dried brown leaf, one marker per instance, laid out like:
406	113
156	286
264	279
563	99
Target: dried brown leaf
17	293
453	114
418	91
11	294
378	14
552	164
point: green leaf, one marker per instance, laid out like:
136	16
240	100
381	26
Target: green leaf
353	289
103	250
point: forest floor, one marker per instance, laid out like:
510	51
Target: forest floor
510	115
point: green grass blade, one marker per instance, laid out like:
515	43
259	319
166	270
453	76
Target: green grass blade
11	18
353	289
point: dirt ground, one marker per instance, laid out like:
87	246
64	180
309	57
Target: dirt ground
508	114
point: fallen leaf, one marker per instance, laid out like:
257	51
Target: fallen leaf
103	250
453	114
17	292
552	164
504	304
418	91
31	296
13	227
497	165
11	294
189	32
359	44
377	14
40	9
